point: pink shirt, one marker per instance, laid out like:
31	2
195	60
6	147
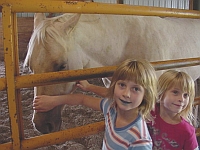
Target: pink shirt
166	136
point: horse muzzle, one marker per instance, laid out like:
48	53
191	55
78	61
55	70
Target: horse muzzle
47	122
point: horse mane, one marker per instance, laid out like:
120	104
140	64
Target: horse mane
40	32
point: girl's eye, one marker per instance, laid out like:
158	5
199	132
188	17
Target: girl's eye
175	92
122	84
185	95
136	89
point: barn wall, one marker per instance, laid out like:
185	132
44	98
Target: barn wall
25	28
180	4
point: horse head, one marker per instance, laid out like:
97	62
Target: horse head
47	53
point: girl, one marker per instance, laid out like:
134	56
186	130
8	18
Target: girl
173	116
130	98
172	129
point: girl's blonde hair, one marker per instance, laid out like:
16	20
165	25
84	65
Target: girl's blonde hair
172	78
142	73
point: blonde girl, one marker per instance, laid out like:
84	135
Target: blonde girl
172	129
130	99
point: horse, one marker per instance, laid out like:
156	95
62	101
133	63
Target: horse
78	41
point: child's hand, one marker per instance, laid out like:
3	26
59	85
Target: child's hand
84	85
43	103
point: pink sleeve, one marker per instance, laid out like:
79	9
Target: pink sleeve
191	142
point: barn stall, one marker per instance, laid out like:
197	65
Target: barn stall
17	129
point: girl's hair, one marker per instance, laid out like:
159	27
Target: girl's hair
142	73
172	78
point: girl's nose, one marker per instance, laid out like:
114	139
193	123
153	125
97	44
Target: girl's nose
181	98
126	93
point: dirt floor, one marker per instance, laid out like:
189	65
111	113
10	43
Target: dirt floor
72	117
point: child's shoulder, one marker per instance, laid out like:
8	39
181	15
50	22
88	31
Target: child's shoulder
185	125
183	128
106	104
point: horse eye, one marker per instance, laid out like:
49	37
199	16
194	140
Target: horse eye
62	67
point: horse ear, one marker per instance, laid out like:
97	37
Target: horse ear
38	17
69	24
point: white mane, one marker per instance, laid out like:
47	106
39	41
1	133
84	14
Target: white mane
40	33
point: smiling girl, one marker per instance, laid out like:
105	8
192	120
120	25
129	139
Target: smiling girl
130	98
172	129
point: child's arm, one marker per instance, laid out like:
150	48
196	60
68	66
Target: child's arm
45	103
86	86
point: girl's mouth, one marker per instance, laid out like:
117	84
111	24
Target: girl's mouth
125	102
178	105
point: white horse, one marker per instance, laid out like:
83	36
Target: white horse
74	41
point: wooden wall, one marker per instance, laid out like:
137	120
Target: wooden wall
25	28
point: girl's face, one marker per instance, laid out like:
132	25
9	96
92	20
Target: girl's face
128	95
174	100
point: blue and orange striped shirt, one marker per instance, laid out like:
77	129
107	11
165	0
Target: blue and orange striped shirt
133	136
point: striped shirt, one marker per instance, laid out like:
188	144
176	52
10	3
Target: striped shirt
133	136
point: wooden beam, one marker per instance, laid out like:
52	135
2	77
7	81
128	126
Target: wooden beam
191	2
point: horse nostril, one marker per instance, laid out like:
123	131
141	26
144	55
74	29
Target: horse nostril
50	127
